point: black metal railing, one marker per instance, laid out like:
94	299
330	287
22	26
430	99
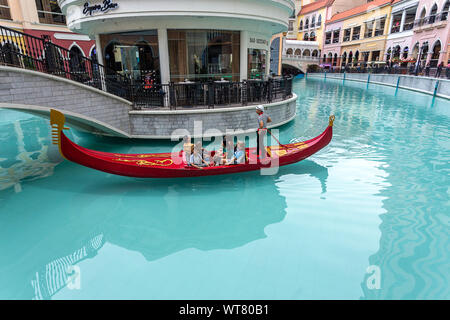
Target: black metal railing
29	52
442	72
25	51
210	94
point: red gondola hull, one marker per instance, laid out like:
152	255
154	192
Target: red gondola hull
171	165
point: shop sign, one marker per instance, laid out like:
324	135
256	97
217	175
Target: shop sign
259	41
107	5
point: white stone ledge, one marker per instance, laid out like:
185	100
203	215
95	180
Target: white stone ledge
349	78
216	110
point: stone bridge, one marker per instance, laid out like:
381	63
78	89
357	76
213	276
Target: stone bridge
96	111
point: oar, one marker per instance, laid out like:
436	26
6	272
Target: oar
281	145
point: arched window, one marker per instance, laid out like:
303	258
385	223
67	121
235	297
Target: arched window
388	54
110	58
10	54
305	37
415	52
330	57
433	14
289	51
350	57
356	59
301	25
306	53
307	24
76	61
312	36
396	52
315	53
319	20
436	54
313	22
335	60
425	50
324	58
298	52
423	13
344	59
445	10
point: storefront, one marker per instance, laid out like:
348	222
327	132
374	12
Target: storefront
175	41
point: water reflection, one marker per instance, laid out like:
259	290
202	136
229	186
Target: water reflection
156	218
25	153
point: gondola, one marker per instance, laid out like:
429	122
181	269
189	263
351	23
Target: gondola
171	165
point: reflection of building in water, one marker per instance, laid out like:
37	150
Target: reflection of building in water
25	152
55	275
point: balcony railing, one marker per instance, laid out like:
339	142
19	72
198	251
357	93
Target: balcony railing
211	94
25	51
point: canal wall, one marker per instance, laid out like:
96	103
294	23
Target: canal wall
432	86
93	110
156	124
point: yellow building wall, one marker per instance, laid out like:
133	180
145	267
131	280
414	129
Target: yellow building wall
366	44
319	31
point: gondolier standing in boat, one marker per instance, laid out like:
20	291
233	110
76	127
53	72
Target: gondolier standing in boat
263	120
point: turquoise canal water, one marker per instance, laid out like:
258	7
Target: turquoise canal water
365	218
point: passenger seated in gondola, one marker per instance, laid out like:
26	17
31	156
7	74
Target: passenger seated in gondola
196	159
228	144
239	156
218	158
187	148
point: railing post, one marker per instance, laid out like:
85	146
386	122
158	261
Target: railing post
211	94
244	97
172	96
436	87
269	90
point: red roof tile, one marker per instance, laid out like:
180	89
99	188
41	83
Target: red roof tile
359	10
314	6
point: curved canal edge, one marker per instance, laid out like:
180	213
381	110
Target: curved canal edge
432	86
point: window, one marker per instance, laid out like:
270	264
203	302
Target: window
336	35
291	25
432	17
347	35
203	54
312	36
409	20
368	29
328	37
379	26
396	22
356	33
133	54
445	10
307	24
4	10
319	20
49	12
301	25
306	37
313	22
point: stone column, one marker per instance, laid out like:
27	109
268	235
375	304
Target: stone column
164	67
391	22
402	24
244	55
101	61
163	46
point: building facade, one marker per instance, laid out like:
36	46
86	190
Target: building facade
399	43
43	18
182	40
362	32
431	33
